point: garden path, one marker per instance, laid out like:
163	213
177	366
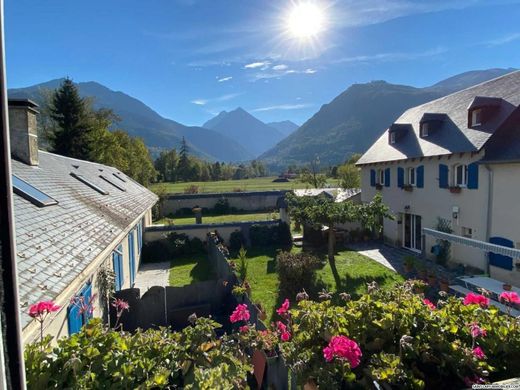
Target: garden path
152	274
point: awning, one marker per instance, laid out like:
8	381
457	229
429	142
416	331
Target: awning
482	245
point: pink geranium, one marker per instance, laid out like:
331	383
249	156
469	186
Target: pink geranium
509	297
281	326
479	353
284	308
41	309
344	348
476	299
285	336
240	314
429	303
476	330
243	329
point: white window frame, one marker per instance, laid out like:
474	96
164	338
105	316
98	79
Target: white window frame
411	173
476	114
380	177
425	127
456	176
392	137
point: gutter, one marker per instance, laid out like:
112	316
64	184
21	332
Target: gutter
489	215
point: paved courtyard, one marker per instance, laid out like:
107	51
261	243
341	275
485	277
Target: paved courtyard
153	274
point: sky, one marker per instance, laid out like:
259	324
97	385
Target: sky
191	59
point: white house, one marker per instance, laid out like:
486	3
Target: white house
457	159
72	217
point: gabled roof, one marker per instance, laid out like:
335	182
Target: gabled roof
453	136
56	243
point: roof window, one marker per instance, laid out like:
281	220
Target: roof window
119	177
112	183
89	183
31	193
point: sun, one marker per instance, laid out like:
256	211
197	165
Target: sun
305	20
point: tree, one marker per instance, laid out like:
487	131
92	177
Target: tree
311	175
183	167
349	176
166	165
71	133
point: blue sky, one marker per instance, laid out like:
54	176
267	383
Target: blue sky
190	59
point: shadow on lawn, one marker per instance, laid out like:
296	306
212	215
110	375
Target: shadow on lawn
201	271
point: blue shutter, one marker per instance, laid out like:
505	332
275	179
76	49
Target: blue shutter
131	257
372	177
87	295
387	177
139	237
74	319
400	177
420	176
443	176
473	176
117	270
501	261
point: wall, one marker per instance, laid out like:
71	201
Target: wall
505	213
431	202
246	201
158	232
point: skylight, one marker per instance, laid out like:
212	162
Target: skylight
119	177
32	194
111	182
89	183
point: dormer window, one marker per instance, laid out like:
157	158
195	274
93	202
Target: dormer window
392	137
476	117
398	131
425	127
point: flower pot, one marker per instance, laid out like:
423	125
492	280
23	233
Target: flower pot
379	187
408	188
507	287
310	385
455	190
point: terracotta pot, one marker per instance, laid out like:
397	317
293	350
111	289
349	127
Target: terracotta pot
310	385
455	190
507	286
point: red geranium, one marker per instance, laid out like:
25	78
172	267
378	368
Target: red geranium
476	299
429	303
509	297
479	353
240	314
344	348
41	309
284	308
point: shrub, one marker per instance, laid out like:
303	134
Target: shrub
296	271
156	251
284	235
242	264
221	207
192	189
236	240
97	358
261	235
173	245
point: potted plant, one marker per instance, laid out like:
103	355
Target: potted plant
409	264
408	187
455	189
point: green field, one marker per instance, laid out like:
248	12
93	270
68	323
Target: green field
256	184
354	271
220	218
190	269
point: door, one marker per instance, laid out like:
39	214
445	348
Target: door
131	257
412	232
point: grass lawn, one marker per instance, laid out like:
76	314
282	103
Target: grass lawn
221	218
353	272
190	269
256	184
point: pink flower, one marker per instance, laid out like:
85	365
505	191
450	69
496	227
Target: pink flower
285	336
240	314
243	329
477	331
344	348
284	308
120	304
509	297
281	326
471	381
429	303
476	299
41	309
479	353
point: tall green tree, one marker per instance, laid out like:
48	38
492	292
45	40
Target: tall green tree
72	131
311	175
183	167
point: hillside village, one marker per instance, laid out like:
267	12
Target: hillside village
373	245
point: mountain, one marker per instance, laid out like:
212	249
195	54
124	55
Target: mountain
284	127
254	135
139	120
352	121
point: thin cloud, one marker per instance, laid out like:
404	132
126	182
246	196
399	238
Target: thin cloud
280	67
390	57
223	98
284	107
223	79
503	40
255	65
199	102
280	74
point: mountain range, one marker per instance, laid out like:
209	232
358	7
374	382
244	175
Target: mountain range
352	121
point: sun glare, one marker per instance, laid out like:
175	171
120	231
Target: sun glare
305	20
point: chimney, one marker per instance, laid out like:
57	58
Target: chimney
23	130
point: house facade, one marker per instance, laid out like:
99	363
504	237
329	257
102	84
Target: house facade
453	164
73	219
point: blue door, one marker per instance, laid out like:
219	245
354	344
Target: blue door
131	256
501	261
117	259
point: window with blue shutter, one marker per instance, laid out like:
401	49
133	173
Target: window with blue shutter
387	177
473	176
139	236
131	256
117	259
400	177
372	177
443	176
501	261
74	319
420	176
79	312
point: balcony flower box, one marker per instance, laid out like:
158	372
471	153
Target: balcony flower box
408	188
379	187
455	190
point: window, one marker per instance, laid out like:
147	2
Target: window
32	194
89	183
392	137
111	182
80	309
467	232
381	176
425	127
476	117
411	176
461	175
119	177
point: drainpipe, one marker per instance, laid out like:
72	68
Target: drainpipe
489	215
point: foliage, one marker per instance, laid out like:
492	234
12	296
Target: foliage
191	189
106	281
349	176
221	207
236	240
242	264
270	235
405	342
98	358
311	175
174	245
444	225
296	271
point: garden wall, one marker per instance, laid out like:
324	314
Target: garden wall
243	201
159	232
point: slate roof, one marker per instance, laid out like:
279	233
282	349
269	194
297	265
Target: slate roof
56	243
338	194
453	136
